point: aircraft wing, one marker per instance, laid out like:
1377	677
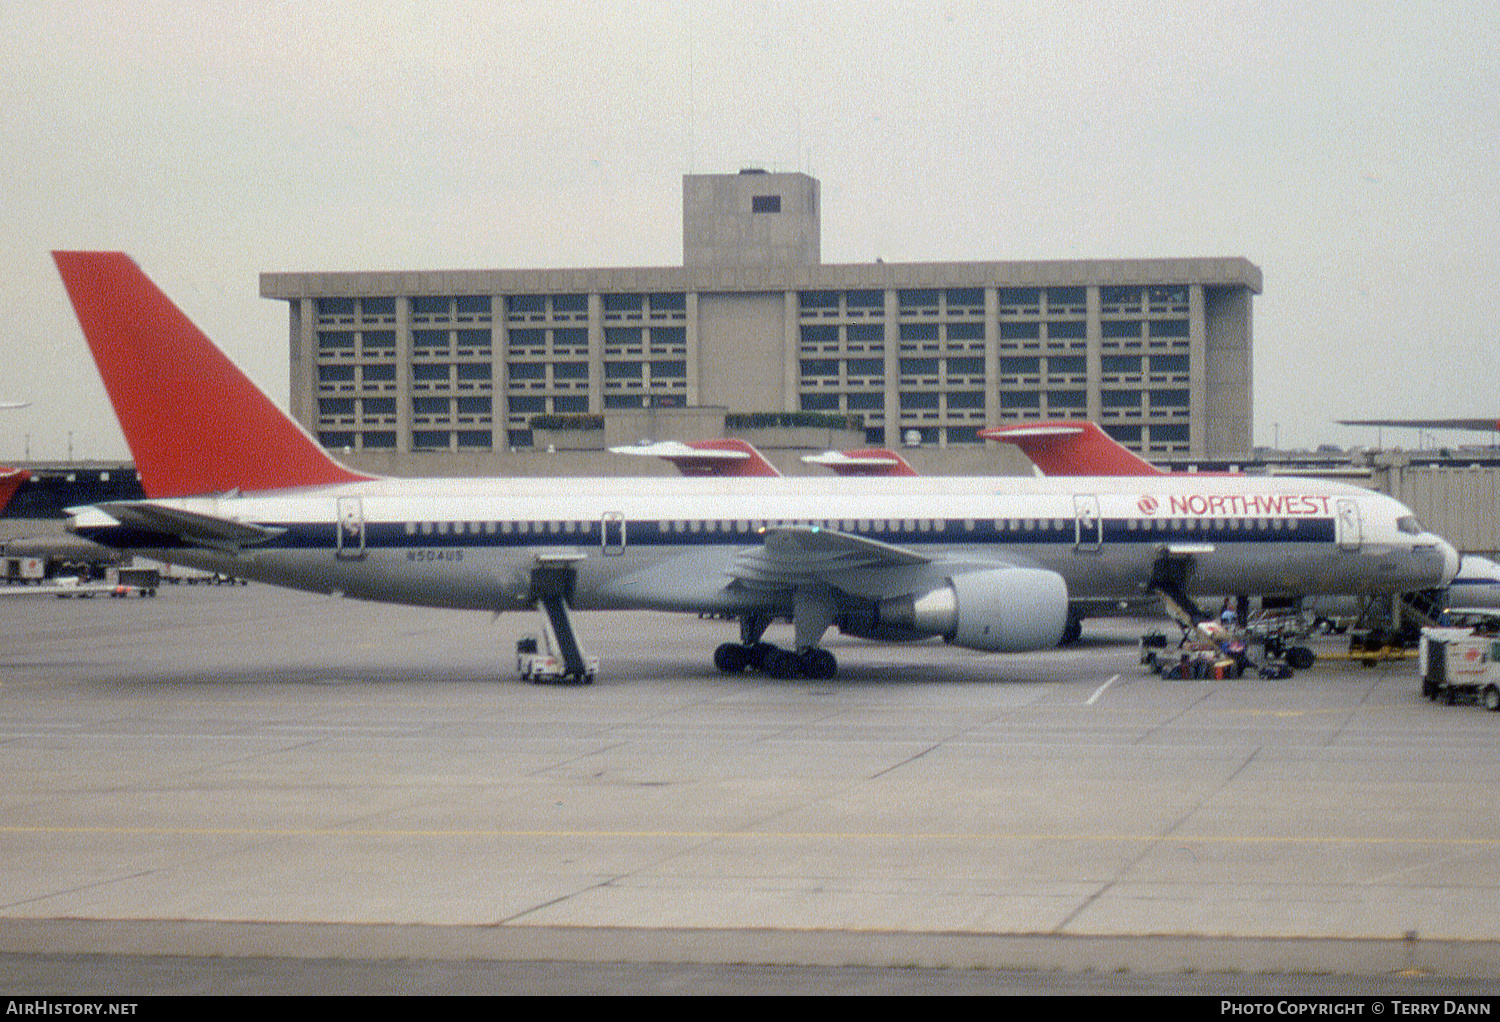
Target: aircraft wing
799	554
192	527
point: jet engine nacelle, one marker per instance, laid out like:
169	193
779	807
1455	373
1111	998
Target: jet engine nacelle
1009	610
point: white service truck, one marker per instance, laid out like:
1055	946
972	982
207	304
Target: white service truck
1457	663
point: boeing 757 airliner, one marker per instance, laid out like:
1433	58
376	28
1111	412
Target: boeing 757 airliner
235	486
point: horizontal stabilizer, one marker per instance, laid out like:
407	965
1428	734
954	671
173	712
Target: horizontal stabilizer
192	527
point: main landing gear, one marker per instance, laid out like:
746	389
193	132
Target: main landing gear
808	660
812	662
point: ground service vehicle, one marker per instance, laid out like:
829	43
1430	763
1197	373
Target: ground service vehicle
1458	663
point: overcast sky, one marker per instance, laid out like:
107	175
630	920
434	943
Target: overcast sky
1348	150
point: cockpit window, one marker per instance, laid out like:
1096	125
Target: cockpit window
1409	525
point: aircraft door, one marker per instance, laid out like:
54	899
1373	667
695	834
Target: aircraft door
1087	521
612	533
349	532
1347	523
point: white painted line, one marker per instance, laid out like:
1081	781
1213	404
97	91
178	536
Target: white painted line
1100	690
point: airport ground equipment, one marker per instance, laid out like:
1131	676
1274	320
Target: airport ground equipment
539	662
1461	664
1210	649
554	656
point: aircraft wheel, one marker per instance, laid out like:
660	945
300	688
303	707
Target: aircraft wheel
782	664
731	658
1491	698
818	664
756	655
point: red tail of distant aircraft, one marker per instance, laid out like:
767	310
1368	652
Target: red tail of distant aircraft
10	481
1072	448
727	457
867	461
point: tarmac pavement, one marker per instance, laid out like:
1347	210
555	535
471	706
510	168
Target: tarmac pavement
249	772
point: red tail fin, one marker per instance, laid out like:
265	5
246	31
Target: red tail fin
194	422
867	461
729	457
752	464
1072	449
10	481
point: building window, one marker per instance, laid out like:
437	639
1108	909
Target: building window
765	204
622	303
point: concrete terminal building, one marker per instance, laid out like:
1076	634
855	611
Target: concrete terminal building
393	368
